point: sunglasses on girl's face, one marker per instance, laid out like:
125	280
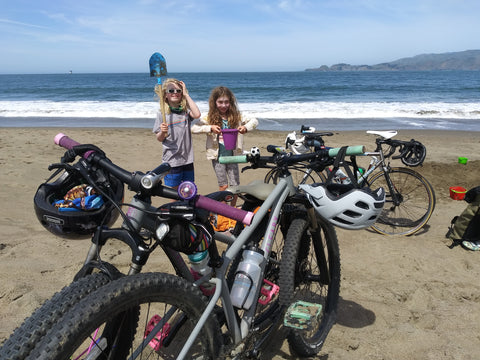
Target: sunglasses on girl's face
173	91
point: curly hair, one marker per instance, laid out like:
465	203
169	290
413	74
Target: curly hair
233	114
163	89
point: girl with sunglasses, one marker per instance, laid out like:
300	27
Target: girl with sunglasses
174	133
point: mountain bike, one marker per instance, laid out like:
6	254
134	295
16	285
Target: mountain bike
144	229
410	198
297	288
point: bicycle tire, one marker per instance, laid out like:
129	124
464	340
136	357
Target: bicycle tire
151	293
24	339
417	202
310	271
300	175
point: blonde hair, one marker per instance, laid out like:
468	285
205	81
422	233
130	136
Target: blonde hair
233	115
162	90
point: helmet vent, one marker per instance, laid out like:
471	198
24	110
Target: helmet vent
362	205
342	221
351	214
378	205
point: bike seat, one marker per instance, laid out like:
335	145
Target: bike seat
387	134
256	188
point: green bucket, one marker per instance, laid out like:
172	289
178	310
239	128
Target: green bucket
462	160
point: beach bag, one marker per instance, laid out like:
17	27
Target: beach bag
465	228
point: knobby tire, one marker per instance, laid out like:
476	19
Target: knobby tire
148	294
310	271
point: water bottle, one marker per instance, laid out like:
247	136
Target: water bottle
135	214
199	267
341	177
247	279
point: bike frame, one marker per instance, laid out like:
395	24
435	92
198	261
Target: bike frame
240	329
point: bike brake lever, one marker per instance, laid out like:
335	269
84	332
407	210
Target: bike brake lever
59	166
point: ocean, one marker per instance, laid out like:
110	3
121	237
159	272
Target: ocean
442	100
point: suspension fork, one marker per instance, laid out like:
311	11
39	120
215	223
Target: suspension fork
315	230
140	250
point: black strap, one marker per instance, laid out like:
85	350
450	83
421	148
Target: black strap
340	162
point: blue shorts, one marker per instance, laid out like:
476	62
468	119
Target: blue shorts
179	174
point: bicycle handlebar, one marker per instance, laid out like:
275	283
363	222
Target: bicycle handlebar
290	158
137	181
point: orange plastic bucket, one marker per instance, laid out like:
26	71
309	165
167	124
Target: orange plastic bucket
457	192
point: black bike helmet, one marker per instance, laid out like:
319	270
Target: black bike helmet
413	153
75	224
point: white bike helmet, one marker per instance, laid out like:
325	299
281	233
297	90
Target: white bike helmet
296	144
345	206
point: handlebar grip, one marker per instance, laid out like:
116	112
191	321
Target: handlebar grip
351	150
275	149
233	159
218	207
64	141
68	143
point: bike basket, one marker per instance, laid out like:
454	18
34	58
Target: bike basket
75	222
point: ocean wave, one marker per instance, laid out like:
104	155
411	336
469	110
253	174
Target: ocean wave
269	110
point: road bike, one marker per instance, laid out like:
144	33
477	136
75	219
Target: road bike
410	198
301	279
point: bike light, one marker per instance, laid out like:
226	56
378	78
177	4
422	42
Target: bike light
187	190
147	181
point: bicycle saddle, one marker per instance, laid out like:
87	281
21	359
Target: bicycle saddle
256	188
387	134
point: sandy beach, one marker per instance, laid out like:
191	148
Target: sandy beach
401	297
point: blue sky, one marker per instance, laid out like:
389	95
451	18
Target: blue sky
55	36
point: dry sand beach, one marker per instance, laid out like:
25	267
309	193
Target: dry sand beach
401	297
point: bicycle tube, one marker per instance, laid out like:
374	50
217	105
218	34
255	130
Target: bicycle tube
301	175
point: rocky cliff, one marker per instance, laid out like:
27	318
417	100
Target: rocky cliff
463	60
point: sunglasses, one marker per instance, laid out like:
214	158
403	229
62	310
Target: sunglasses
174	91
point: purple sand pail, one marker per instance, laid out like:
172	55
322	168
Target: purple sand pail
230	138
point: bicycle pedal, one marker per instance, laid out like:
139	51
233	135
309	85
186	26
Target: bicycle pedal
268	291
302	315
157	342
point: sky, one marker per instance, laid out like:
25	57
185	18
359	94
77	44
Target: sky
89	36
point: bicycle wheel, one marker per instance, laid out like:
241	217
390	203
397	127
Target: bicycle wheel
168	309
300	175
26	336
415	205
310	283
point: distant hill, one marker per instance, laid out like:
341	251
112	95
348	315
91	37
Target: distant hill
462	60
